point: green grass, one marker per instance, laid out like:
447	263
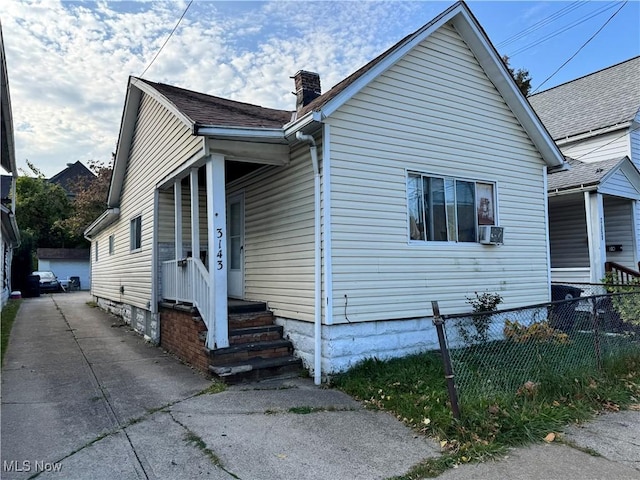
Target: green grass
9	313
414	390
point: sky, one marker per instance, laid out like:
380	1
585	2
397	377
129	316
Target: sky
68	62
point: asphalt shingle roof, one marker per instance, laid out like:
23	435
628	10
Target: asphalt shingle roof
602	99
209	110
581	174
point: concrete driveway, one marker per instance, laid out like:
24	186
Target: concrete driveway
85	397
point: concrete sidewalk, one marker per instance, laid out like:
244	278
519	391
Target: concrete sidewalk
83	393
85	397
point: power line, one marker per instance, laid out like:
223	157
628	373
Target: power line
541	23
608	143
168	38
579	21
579	49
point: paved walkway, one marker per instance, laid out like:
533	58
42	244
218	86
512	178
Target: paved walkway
84	394
85	397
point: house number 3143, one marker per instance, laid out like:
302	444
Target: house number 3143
219	254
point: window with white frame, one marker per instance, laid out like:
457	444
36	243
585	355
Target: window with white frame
135	233
111	244
447	209
96	251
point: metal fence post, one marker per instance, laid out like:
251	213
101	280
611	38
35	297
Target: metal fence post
446	360
596	333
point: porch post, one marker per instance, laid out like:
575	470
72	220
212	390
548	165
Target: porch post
217	225
195	214
177	207
594	208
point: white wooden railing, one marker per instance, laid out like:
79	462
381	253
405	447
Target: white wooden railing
187	280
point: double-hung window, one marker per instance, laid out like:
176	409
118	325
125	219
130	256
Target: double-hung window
447	209
135	233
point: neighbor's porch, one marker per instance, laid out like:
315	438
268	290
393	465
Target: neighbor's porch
588	230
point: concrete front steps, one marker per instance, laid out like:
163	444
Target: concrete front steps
256	348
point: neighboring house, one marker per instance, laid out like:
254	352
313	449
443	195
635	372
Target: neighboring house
66	263
594	208
346	216
71	177
10	235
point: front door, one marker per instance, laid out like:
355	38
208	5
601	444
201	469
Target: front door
235	246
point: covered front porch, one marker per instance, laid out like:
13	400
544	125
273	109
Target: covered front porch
200	247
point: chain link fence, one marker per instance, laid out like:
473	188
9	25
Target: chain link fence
508	351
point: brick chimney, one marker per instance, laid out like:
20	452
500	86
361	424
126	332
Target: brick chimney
307	87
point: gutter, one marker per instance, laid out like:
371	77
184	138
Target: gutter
317	359
582	188
103	221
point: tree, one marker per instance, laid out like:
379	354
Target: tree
90	201
41	207
521	76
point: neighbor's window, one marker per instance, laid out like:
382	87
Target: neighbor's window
448	209
96	251
136	233
111	244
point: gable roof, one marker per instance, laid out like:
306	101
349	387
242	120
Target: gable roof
590	175
209	115
603	99
204	110
69	177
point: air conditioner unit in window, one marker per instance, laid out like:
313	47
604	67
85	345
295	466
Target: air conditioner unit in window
491	235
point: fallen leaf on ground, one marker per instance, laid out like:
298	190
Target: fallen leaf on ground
635	407
550	437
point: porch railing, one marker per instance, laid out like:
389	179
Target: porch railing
621	274
187	280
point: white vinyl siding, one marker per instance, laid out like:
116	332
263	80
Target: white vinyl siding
434	111
568	232
602	147
619	230
160	143
279	238
634	141
619	185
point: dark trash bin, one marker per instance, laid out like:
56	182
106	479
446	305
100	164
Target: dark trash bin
74	283
33	286
563	314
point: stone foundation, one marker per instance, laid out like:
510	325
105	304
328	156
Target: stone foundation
344	345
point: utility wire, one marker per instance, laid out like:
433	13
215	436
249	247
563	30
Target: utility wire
540	24
579	21
168	38
579	49
608	143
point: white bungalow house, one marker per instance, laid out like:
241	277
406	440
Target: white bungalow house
345	217
10	237
594	207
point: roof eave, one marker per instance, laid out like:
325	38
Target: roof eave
589	187
108	217
467	26
135	88
577	137
10	225
240	133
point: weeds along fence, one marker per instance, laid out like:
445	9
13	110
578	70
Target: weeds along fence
510	351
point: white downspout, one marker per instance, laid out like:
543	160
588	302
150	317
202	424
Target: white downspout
317	358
